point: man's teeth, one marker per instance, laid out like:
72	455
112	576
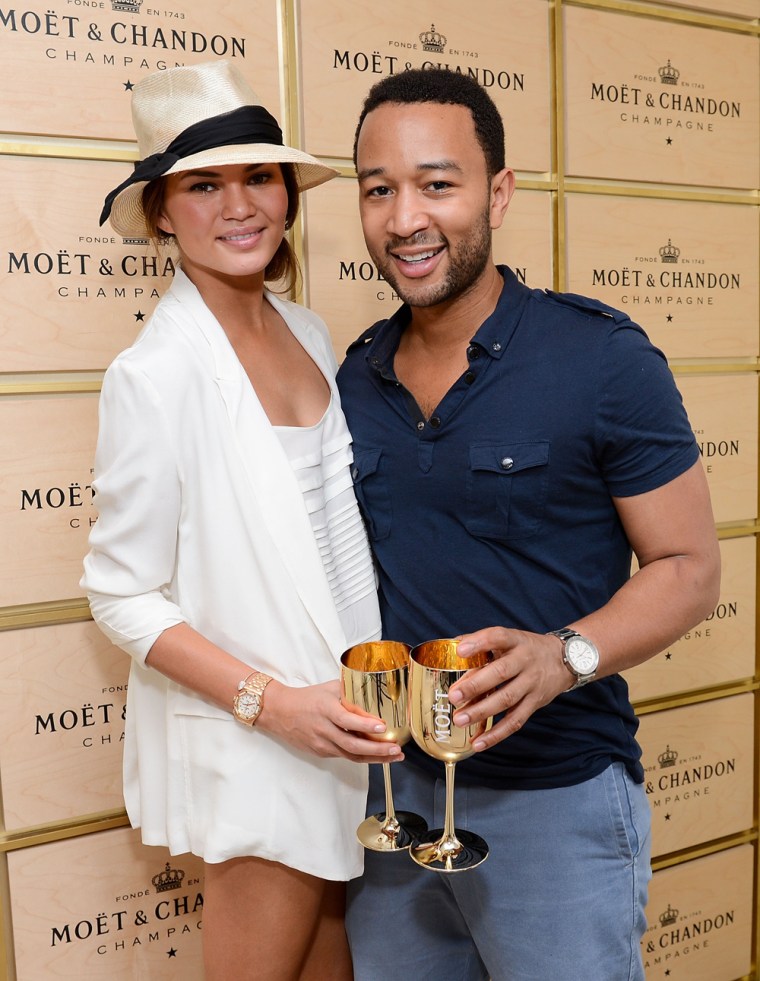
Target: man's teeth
419	257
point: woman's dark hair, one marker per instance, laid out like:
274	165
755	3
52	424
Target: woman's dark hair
283	267
444	87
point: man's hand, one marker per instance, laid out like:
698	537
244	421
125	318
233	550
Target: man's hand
527	672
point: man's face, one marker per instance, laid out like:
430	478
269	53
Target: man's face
425	200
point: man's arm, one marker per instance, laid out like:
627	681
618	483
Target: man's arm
672	533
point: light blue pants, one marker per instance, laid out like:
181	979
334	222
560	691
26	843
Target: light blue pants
560	897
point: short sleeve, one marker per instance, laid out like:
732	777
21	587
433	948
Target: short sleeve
644	437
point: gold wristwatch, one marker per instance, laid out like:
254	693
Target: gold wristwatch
249	701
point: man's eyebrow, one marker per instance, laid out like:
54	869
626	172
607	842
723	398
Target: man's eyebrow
445	165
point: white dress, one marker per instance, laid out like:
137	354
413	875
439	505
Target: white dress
202	519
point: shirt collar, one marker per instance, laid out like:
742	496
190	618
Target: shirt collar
493	335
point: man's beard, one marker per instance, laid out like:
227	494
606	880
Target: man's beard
466	264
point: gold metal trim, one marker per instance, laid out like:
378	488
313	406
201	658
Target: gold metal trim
44	614
701	851
42	834
63	387
732	23
69	151
662	703
671	192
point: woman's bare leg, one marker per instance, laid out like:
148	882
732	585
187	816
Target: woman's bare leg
329	955
263	921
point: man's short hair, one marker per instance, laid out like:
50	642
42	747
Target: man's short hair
446	88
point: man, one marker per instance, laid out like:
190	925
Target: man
512	447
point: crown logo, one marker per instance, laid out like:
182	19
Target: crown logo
432	40
668	758
168	879
131	240
127	6
669	75
669	252
669	917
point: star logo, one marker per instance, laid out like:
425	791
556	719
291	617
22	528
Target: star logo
139	316
669	141
128	86
171	953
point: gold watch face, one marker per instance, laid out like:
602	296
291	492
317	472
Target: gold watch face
247	705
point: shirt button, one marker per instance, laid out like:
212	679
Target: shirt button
470	377
355	473
375	361
507	463
420	425
496	346
435	422
473	353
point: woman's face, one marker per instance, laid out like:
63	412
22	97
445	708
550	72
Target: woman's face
228	221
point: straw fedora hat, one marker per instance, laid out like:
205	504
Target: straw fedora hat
199	116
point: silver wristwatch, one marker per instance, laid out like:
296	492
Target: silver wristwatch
579	654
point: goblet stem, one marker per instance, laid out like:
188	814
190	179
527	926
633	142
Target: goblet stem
450	845
390	825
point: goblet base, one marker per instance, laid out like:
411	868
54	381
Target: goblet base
380	835
438	853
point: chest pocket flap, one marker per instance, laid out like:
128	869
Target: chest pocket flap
507	489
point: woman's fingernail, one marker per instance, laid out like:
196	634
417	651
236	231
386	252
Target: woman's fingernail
465	647
379	727
461	719
455	696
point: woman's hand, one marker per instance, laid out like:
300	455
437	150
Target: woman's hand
315	720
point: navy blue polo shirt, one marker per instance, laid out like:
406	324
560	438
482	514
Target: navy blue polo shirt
497	510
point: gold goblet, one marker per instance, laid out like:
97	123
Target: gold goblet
374	680
433	668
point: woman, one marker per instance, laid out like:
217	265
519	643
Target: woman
229	557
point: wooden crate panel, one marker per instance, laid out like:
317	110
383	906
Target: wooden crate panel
700	919
723	414
47	445
685	271
69	70
721	648
343	285
63	691
699	763
97	906
73	294
649	100
348	45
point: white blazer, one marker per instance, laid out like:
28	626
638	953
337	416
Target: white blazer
201	520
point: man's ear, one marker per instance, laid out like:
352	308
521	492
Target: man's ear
502	189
